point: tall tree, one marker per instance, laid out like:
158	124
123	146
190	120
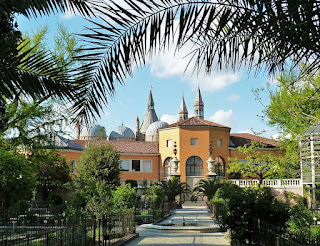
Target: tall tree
52	171
29	73
294	103
258	165
17	179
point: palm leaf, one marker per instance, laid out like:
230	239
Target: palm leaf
35	8
225	33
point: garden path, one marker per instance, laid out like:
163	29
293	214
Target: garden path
190	214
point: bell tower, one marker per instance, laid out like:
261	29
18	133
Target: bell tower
183	112
198	109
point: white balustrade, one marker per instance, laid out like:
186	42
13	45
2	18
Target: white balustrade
274	183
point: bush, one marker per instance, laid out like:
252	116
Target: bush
124	197
133	183
54	199
245	206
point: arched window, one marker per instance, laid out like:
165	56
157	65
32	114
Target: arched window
194	166
220	166
167	170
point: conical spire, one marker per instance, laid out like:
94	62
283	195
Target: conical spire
183	107
183	112
150	116
198	100
150	101
198	108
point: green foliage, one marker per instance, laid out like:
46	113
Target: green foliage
100	164
17	179
124	197
99	202
173	187
205	188
301	223
33	73
156	195
133	183
245	206
52	170
54	199
294	104
259	165
99	170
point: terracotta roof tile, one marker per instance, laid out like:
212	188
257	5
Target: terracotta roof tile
241	139
136	147
195	121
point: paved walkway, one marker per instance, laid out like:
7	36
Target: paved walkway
190	214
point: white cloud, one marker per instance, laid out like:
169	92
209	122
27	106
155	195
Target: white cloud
234	97
223	117
107	114
68	14
280	136
169	64
169	118
248	131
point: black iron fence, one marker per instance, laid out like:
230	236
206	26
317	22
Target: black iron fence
62	231
265	234
145	212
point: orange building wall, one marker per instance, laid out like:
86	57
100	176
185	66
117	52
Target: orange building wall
183	135
141	175
223	151
75	155
71	155
165	152
187	150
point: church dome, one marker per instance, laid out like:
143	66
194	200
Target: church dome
122	132
94	131
153	128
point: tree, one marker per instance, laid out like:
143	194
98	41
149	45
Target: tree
51	169
246	206
33	73
22	107
17	179
100	164
99	174
205	188
124	197
223	33
294	103
257	165
173	187
156	194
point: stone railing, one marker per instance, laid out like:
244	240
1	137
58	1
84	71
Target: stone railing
274	183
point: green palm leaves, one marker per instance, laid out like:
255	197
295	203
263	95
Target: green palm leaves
173	187
256	33
205	188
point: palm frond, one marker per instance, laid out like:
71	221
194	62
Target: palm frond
35	8
225	33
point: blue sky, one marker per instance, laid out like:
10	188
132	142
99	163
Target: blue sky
227	95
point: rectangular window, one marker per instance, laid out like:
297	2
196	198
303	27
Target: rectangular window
194	141
169	143
219	142
147	166
125	165
73	167
136	165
